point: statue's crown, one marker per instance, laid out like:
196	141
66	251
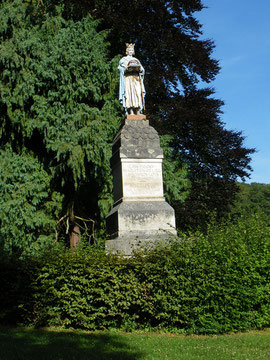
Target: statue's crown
130	46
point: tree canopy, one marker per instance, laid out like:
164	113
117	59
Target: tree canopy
252	198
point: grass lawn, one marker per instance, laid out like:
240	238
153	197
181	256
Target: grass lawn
30	344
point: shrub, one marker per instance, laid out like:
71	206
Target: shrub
211	283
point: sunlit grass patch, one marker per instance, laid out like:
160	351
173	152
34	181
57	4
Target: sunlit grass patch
28	343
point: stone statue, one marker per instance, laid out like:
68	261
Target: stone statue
131	89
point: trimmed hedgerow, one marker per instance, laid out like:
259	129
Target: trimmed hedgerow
211	283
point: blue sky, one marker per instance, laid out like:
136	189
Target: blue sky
241	32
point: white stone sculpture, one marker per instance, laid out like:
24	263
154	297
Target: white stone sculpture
131	89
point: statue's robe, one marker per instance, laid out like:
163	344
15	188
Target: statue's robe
131	88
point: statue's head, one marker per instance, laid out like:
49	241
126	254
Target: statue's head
130	49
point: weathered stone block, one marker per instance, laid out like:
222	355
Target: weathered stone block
135	218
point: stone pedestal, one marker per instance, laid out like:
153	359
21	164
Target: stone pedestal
140	216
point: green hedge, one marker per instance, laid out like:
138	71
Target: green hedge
211	283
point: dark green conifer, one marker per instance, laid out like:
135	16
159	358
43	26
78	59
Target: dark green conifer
59	113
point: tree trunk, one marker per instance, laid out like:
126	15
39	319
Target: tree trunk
75	234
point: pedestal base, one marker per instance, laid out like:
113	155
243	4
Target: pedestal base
139	224
140	217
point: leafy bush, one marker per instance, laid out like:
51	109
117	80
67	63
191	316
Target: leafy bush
211	283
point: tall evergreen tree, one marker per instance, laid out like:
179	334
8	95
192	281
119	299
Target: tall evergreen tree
59	114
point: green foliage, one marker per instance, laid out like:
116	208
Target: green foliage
27	205
57	82
175	173
252	198
211	283
59	112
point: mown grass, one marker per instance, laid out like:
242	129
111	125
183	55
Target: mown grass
22	343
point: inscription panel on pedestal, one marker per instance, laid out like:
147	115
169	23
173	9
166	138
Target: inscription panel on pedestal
142	179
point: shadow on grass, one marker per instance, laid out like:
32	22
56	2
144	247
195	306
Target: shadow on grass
41	344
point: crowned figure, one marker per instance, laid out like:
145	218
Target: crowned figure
131	89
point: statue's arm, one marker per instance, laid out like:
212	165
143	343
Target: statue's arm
121	69
122	66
